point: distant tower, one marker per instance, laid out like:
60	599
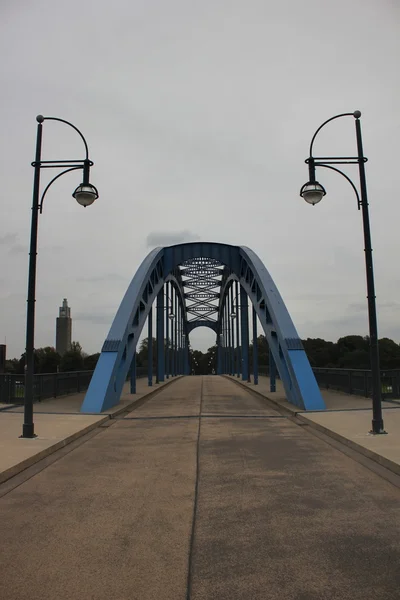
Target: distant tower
64	329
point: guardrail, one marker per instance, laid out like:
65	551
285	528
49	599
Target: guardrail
353	381
358	381
51	385
48	385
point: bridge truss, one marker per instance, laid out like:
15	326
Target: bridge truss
202	285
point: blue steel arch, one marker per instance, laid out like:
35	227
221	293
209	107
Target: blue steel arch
202	323
163	264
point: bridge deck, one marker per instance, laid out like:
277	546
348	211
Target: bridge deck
242	503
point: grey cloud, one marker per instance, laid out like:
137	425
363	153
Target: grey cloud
362	307
18	249
169	238
95	318
357	307
10	241
102	278
388	305
8	238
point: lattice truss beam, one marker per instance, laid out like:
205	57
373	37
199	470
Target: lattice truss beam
201	280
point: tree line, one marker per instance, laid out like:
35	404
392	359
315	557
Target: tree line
349	352
47	360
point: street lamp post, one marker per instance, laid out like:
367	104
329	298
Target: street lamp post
313	192
85	194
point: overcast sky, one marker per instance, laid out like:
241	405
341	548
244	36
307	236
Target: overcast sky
198	117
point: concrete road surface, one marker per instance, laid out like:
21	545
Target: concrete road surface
243	503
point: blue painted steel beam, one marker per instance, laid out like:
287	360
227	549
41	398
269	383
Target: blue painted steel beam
238	355
167	341
176	336
202	323
295	371
232	326
219	354
172	350
255	347
244	323
133	374
179	356
150	347
160	336
272	372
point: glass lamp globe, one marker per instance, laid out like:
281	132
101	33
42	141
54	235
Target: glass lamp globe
85	194
312	192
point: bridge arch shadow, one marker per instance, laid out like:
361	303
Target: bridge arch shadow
194	285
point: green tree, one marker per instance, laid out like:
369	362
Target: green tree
389	353
48	360
73	359
142	355
45	360
262	349
90	361
353	352
12	366
321	353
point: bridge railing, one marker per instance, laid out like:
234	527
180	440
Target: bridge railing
353	381
52	385
48	385
358	381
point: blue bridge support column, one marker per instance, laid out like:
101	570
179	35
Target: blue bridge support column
150	348
244	323
166	331
255	347
171	350
187	362
232	327
238	357
174	326
228	327
179	342
133	374
160	336
219	354
226	370
272	373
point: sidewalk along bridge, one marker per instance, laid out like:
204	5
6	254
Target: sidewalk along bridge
202	284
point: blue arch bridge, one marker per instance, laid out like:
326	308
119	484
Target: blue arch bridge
202	285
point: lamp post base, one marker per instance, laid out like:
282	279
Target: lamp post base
28	431
377	427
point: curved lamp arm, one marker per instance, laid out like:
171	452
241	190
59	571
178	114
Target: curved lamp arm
356	114
348	179
40	119
52	181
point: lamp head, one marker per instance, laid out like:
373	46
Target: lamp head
85	194
312	192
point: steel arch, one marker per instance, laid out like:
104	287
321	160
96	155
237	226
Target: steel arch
239	263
